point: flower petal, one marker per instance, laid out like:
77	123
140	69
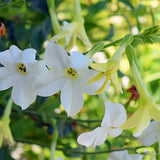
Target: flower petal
117	114
119	155
7	78
23	92
72	97
56	56
29	55
92	87
49	83
79	61
151	134
133	120
36	68
114	132
6	59
93	138
14	51
135	157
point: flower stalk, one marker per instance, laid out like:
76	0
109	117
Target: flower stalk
55	23
54	141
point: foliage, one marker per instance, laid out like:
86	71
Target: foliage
28	25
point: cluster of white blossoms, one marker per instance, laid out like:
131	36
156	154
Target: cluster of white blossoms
58	72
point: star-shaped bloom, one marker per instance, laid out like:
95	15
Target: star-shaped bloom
123	155
68	74
19	71
151	134
115	116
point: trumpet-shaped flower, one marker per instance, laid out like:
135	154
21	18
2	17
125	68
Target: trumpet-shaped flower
74	29
123	155
68	74
110	67
115	116
5	132
148	109
19	71
151	134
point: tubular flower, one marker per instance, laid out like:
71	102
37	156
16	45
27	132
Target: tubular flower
5	132
74	29
110	67
115	116
68	74
19	71
148	109
123	155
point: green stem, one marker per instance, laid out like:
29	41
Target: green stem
7	110
76	150
55	24
77	11
153	19
59	117
54	140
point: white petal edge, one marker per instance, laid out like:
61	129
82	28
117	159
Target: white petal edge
7	78
117	114
151	134
135	157
114	132
49	83
93	138
119	155
23	92
29	55
78	60
56	56
72	97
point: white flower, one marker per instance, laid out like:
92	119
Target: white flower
115	116
68	74
123	155
19	71
151	134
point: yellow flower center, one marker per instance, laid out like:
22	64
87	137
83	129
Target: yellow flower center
71	72
21	68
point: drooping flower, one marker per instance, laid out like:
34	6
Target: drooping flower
19	71
148	109
115	116
151	134
68	74
5	132
110	67
123	155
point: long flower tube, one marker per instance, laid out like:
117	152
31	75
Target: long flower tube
74	29
110	67
148	109
5	132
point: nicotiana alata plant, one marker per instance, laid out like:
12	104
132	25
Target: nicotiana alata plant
72	76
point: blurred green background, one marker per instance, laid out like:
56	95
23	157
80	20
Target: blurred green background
28	25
